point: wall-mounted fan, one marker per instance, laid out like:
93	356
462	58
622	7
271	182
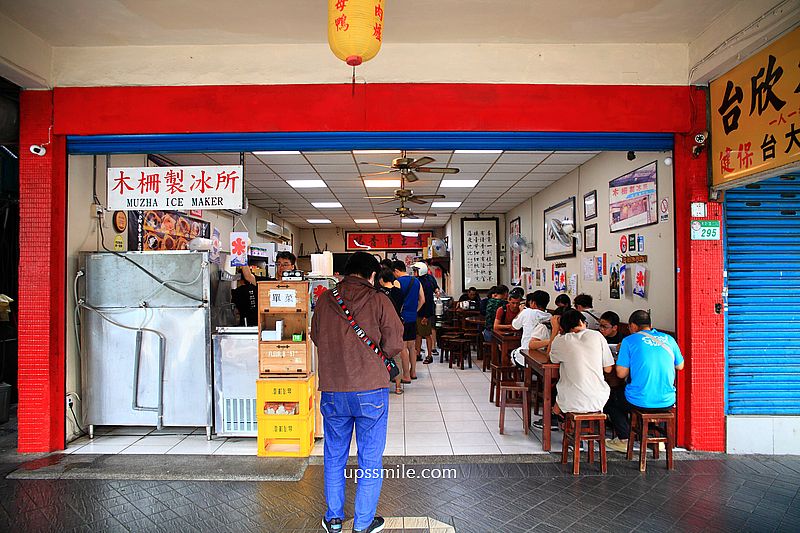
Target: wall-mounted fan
438	248
563	231
519	244
407	167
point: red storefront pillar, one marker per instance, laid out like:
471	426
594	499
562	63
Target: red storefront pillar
42	265
700	323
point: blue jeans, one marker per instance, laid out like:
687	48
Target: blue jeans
368	411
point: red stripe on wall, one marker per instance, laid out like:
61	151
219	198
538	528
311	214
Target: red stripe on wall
378	107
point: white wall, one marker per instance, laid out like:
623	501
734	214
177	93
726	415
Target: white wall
83	234
659	238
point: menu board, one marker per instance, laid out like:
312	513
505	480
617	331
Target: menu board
163	230
479	256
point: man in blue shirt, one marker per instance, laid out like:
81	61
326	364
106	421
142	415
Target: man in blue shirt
413	300
649	360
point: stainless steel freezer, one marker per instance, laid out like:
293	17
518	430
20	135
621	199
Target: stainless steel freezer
146	349
235	375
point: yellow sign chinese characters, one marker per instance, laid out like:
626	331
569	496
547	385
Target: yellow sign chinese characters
755	113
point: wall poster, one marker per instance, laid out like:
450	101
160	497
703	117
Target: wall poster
559	224
479	246
356	241
633	199
516	257
163	230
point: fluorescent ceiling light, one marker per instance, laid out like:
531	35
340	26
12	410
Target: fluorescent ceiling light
467	184
446	204
278	152
365	220
478	152
307	184
370	152
413	220
409	234
385	184
318	221
326	205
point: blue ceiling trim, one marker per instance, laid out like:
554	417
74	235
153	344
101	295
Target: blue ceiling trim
339	141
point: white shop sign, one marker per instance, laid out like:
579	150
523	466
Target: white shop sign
175	188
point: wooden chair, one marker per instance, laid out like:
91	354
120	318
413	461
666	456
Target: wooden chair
508	390
486	352
445	346
641	427
576	433
461	348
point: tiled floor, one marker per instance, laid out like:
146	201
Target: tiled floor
443	412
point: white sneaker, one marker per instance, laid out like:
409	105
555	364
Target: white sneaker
618	445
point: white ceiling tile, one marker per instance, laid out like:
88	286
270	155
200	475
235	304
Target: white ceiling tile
565	158
458	159
226	159
188	159
523	157
544	167
282	159
543	176
325	169
475	168
293	169
341	176
505	176
330	158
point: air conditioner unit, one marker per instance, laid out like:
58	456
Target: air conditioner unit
270	229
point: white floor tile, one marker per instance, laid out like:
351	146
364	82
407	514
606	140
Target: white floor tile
466	426
109	449
424	427
396	450
459	407
430	439
145	450
509	450
196	445
460	449
422	416
459	416
432	406
483	438
160	440
123	430
429	450
116	440
248	447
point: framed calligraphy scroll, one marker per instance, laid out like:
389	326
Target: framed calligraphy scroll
479	252
514	228
386	240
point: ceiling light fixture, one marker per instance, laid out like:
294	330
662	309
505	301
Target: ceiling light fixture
365	220
409	234
326	205
465	184
278	152
478	152
318	221
413	220
307	184
446	204
382	184
373	152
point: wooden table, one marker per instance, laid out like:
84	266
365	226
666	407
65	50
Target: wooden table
505	342
477	322
539	362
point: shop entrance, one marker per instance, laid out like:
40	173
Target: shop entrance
312	198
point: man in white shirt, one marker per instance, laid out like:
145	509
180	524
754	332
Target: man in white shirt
534	321
583	303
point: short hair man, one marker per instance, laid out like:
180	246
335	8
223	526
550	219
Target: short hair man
650	359
413	300
284	262
425	316
506	314
583	303
534	321
609	327
497	299
354	387
471	296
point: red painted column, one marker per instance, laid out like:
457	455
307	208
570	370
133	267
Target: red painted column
42	263
700	328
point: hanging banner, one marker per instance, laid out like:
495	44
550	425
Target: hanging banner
179	188
614	281
755	113
640	281
239	242
412	240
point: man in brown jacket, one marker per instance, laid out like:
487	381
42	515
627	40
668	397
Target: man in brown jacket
355	388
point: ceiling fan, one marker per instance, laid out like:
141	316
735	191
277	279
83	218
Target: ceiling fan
405	212
405	195
407	167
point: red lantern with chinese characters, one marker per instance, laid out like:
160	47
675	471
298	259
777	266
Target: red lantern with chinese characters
355	29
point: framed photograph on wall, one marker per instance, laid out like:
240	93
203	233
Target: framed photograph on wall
559	224
633	199
514	228
590	238
590	205
479	252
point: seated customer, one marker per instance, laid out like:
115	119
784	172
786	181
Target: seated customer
584	356
485	301
471	296
506	314
497	300
609	327
563	303
650	359
534	321
583	303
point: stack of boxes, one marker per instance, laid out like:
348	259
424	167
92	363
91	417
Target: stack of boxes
286	390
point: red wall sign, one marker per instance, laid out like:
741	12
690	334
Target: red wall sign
387	241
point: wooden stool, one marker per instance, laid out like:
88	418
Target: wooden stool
499	375
444	346
511	387
640	427
576	433
460	347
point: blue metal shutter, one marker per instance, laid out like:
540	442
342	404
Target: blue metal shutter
763	319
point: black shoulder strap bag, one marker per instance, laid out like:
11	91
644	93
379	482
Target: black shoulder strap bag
391	366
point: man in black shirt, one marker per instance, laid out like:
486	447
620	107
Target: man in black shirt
609	327
245	298
471	296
